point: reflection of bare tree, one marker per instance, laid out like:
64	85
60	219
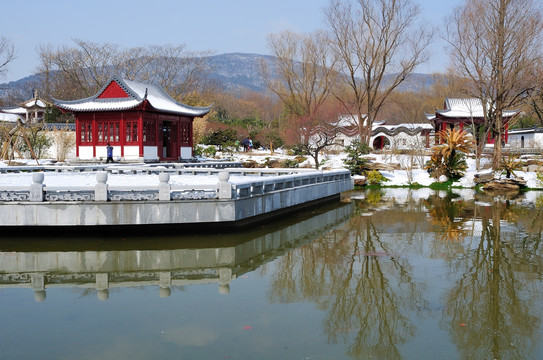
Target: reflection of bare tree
491	308
372	297
364	287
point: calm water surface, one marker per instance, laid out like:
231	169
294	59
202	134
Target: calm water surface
394	274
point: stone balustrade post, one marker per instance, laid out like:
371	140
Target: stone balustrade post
36	189
164	187
101	189
225	189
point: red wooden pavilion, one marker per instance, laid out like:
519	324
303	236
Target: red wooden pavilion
141	121
466	112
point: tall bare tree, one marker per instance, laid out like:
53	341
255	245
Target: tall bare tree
7	54
373	38
307	76
496	45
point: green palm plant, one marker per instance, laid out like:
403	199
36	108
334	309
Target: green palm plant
449	158
510	164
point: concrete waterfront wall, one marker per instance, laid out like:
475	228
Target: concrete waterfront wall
228	202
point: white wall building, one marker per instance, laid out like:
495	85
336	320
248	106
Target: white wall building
400	136
526	139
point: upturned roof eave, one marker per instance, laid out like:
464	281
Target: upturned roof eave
184	110
197	112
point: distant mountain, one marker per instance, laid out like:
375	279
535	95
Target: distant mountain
237	72
22	84
240	71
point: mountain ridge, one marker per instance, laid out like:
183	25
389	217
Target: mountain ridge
239	72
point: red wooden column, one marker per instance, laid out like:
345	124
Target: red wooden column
140	133
191	138
506	132
94	134
122	135
158	141
77	136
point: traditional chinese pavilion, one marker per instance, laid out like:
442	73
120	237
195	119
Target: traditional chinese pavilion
466	112
32	110
141	121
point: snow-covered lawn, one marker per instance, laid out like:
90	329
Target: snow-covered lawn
396	177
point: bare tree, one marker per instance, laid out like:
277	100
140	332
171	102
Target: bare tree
7	54
495	44
70	72
306	79
174	68
81	70
373	38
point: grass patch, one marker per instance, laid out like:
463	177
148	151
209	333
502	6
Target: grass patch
441	185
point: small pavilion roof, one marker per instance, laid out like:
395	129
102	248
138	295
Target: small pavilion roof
29	105
456	108
133	94
34	102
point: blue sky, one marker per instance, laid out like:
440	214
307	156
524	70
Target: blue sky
220	25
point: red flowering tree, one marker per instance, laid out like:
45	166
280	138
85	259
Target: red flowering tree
313	133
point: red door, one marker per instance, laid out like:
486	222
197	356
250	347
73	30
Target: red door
170	141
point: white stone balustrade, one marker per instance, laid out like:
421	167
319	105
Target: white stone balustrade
243	185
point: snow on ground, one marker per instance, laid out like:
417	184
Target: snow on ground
330	161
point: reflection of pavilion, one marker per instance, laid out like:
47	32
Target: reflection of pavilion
102	270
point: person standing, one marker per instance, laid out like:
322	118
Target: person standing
245	143
109	153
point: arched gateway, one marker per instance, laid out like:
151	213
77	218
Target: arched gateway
142	122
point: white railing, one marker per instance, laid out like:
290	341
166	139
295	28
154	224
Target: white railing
254	182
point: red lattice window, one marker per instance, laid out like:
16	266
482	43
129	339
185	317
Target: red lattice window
149	133
86	132
108	132
131	132
184	134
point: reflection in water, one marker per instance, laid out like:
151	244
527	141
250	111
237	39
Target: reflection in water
393	274
449	216
361	274
360	279
493	310
199	260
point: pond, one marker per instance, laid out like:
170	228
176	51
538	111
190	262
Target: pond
383	274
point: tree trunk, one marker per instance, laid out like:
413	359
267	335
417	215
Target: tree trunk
316	158
496	159
499	87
